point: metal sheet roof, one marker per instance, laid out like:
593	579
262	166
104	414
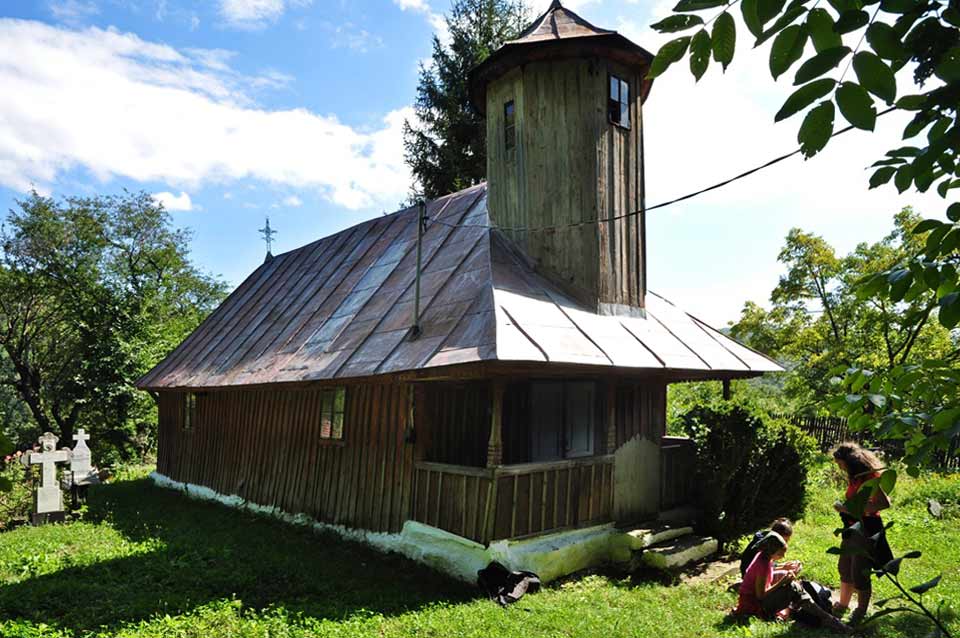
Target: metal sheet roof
342	307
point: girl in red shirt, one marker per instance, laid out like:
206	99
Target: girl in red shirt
860	465
760	595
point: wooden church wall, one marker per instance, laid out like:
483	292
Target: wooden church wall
264	446
641	408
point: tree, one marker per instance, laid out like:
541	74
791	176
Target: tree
885	39
819	321
446	148
93	292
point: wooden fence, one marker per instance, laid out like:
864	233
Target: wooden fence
831	430
512	501
827	430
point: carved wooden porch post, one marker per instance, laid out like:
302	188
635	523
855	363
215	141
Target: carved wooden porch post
611	417
495	445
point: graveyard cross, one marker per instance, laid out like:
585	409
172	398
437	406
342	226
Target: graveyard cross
48	497
80	459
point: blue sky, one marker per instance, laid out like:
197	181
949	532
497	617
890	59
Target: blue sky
231	110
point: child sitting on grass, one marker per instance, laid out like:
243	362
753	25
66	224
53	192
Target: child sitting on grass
781	526
773	597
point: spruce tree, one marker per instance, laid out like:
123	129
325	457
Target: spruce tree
446	149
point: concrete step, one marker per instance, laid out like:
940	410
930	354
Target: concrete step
679	552
678	516
649	535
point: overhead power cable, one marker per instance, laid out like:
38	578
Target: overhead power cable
735	178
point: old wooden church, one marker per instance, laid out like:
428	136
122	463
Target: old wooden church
509	401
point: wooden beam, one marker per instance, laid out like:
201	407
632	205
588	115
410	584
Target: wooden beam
611	417
495	445
726	389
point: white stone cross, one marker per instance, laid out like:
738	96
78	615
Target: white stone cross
48	497
80	464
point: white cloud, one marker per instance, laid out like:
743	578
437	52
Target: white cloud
250	13
353	37
72	11
174	202
256	14
118	106
436	20
292	201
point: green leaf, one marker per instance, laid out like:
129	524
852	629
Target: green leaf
856	106
900	282
5	484
700	53
912	102
927	225
885	42
927	586
677	23
899	6
953	212
888	481
932	246
6	445
820	64
949	68
787	49
949	312
903	178
851	21
669	53
767	10
919	122
816	129
882	176
724	39
875	76
794	11
952	15
820	25
804	97
751	16
698	5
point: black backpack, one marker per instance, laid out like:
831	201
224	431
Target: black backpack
821	595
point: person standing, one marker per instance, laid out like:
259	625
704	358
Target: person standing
860	553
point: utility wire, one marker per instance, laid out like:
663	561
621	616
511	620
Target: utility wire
756	169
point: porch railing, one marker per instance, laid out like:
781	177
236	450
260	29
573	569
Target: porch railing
677	457
512	501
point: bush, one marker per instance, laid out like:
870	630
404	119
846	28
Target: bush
16	497
750	468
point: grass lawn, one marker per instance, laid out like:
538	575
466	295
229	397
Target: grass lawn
148	562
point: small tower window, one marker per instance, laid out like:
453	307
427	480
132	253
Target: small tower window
509	128
619	103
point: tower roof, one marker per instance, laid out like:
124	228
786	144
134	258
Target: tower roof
558	33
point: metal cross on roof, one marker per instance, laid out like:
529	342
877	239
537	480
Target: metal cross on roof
268	234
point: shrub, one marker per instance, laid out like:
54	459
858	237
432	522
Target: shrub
16	495
750	468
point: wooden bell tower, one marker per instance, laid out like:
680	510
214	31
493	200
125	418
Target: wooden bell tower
563	106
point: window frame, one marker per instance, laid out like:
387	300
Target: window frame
618	101
510	129
332	407
563	429
189	412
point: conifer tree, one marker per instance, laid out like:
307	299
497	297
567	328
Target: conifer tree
446	147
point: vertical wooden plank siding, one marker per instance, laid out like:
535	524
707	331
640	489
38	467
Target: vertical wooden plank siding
264	446
641	408
570	165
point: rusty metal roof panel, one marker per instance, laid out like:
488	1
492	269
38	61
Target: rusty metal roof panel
343	307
